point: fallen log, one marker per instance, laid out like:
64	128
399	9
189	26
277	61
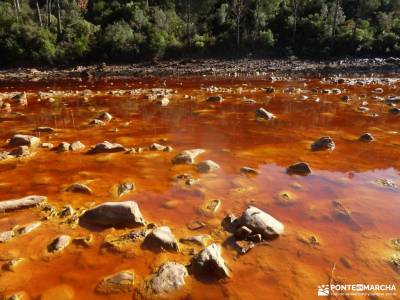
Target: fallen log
21	203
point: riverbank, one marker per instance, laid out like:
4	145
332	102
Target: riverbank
225	68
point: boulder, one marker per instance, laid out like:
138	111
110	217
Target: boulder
187	156
161	238
300	168
125	213
169	278
121	282
323	143
209	261
261	222
23	140
207	166
106	147
264	114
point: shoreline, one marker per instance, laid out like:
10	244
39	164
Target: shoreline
209	67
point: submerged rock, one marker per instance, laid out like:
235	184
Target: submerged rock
261	222
248	170
106	147
23	140
125	188
300	168
366	137
121	282
79	188
59	243
169	278
207	166
187	156
323	143
97	122
215	99
209	261
264	114
161	238
125	213
105	116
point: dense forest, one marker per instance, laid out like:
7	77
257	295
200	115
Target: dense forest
67	31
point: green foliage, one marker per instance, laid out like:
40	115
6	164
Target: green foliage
128	30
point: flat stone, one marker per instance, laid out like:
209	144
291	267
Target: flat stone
207	166
169	278
44	129
106	147
121	282
79	188
187	156
211	207
29	228
209	261
261	222
23	140
323	143
197	239
264	114
125	213
59	243
161	238
300	168
25	202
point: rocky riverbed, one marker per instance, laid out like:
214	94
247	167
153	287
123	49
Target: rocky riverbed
197	187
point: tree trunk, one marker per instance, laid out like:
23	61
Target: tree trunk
295	12
238	18
188	21
334	25
39	14
59	29
48	3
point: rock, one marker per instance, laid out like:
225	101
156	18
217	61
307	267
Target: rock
6	236
395	244
324	143
300	168
394	110
210	207
230	223
125	213
79	188
215	99
63	147
157	147
12	264
44	129
46	145
106	147
125	188
197	239
21	151
394	261
20	99
242	233
383	182
23	140
161	238
366	137
269	90
168	278
248	170
261	222
207	166
84	241
336	91
346	98
97	122
187	156
76	146
264	114
105	116
195	225
13	204
29	228
164	101
22	295
210	262
59	243
67	211
121	282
